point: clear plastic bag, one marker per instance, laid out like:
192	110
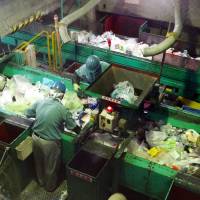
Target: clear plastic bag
124	91
21	84
155	138
72	102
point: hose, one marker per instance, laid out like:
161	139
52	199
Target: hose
66	21
169	41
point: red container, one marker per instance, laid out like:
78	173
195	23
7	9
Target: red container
123	25
9	132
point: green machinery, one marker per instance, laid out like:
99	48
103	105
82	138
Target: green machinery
154	180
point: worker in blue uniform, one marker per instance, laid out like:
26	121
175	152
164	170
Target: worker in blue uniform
50	118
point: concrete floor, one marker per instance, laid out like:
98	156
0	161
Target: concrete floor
34	192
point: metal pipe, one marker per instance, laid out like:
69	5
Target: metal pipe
4	155
172	37
54	50
66	21
49	50
58	40
62	8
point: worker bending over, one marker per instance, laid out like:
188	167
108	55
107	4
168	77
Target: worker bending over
50	118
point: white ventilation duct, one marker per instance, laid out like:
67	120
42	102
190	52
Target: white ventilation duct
169	41
66	21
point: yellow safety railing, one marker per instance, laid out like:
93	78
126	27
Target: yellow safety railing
53	40
58	39
55	44
23	45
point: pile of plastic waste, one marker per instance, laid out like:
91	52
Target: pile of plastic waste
129	46
125	45
72	102
19	93
183	53
167	145
124	91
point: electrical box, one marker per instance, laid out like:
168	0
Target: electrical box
108	120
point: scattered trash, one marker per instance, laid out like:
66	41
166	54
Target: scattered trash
192	136
154	151
167	145
129	46
72	102
154	138
19	93
64	195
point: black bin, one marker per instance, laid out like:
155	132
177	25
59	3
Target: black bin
9	133
88	176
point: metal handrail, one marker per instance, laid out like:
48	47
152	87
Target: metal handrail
36	37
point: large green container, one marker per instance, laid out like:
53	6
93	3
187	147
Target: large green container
89	173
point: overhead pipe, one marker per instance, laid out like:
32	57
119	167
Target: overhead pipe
58	42
66	21
172	37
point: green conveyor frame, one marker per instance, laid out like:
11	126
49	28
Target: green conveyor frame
137	173
185	82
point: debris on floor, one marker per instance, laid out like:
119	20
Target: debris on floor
34	192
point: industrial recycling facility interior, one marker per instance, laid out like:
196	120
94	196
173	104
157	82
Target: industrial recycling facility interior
126	72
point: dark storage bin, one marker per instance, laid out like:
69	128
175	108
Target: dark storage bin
9	133
69	71
104	85
88	177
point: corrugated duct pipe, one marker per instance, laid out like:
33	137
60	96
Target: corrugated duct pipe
66	21
169	41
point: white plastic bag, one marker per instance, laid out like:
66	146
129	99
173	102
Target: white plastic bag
155	138
124	91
